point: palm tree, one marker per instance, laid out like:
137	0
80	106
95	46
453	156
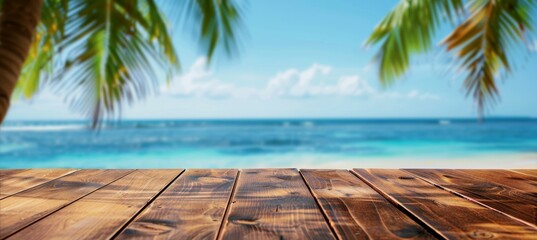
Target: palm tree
101	54
481	42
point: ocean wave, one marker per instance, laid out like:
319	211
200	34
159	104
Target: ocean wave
7	148
444	122
42	128
308	124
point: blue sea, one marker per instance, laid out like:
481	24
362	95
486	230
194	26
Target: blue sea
304	143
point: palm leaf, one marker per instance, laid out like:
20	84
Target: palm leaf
103	54
39	65
99	54
407	30
217	23
115	47
483	40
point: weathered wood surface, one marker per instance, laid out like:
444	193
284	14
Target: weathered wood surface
14	181
530	172
8	172
268	204
523	182
356	211
22	209
101	214
274	204
191	208
488	191
448	215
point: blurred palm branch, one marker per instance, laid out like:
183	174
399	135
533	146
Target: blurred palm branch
102	54
485	31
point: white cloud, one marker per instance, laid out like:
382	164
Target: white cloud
310	82
416	94
198	81
314	81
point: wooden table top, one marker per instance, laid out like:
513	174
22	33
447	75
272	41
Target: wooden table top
267	204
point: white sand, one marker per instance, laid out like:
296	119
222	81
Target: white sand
502	161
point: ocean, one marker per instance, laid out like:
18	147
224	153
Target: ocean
304	143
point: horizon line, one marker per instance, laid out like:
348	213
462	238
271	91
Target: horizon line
283	119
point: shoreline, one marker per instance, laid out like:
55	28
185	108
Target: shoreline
492	161
155	160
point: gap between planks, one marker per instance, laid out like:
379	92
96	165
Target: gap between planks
39	218
462	195
402	208
228	207
391	200
326	218
408	191
141	210
18	181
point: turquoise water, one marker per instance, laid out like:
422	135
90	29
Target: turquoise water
264	143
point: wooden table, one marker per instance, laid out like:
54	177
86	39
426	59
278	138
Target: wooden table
267	204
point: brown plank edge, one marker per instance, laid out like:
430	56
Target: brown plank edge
274	203
192	207
9	172
529	172
450	216
22	180
356	211
102	213
504	199
24	208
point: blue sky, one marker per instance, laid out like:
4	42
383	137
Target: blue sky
306	59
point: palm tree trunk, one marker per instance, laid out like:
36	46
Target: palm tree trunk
18	21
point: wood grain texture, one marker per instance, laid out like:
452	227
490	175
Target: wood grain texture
529	172
274	204
522	182
517	203
8	172
356	211
24	208
450	216
20	181
101	214
191	208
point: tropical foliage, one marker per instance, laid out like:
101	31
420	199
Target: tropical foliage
102	54
481	42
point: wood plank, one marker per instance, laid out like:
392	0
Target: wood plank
192	207
101	214
9	172
274	204
529	172
18	182
522	182
356	211
24	208
450	216
503	198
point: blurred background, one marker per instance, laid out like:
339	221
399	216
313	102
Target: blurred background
276	84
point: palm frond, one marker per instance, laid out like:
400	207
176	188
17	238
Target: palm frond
120	49
39	65
100	54
218	23
482	42
406	30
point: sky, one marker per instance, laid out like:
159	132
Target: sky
307	59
